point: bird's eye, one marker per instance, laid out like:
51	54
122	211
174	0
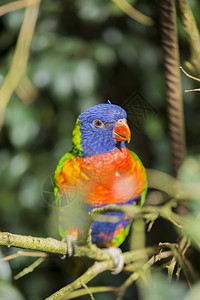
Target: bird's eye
98	123
121	121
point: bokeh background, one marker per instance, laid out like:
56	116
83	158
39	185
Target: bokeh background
83	52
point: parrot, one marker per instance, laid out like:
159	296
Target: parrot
99	170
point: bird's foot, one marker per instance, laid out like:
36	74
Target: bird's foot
117	257
71	245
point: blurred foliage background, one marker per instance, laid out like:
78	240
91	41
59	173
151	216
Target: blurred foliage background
83	52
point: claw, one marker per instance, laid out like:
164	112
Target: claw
118	259
71	244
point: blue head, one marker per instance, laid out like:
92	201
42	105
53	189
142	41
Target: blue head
100	129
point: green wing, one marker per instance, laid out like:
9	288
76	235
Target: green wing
72	212
143	197
62	161
60	199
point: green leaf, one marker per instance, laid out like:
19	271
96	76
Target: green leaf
159	288
5	271
9	292
194	292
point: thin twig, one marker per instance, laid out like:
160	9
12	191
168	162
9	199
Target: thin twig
97	268
88	290
171	267
94	290
133	277
147	212
24	253
192	77
193	90
30	268
188	75
133	13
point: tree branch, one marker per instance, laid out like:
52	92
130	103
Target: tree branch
93	289
24	253
54	246
192	34
33	243
126	7
4	9
20	58
30	268
100	267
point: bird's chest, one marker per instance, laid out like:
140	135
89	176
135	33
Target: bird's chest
106	178
106	168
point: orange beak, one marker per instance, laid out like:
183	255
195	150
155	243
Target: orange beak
122	131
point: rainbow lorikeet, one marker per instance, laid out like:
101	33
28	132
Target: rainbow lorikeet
99	171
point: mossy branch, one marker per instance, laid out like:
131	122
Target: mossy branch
49	245
54	246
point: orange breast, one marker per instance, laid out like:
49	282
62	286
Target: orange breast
115	177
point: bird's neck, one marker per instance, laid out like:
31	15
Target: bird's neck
89	151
